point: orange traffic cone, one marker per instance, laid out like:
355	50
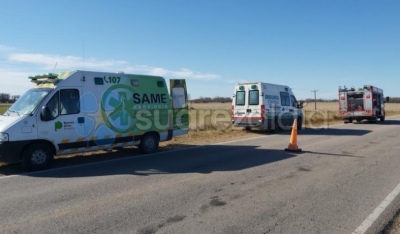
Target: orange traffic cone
293	139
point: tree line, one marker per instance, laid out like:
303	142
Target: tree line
209	99
7	98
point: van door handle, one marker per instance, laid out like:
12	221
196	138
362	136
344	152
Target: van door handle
248	110
291	110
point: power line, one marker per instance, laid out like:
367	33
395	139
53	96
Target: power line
315	98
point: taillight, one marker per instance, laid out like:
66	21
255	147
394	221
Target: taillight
262	111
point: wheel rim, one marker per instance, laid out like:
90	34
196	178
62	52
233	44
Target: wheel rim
39	157
149	144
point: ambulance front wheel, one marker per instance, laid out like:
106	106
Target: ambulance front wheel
149	143
36	157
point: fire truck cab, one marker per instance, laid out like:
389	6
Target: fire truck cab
366	103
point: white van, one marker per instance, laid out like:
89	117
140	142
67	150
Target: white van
80	111
265	106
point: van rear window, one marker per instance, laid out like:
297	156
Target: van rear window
240	98
254	96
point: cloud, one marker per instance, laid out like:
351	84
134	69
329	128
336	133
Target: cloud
15	82
4	48
183	73
17	66
48	62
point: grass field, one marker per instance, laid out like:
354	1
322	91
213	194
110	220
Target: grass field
3	108
315	114
310	106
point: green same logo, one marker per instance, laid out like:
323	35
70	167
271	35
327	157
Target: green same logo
116	108
57	125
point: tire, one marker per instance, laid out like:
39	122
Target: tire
299	124
278	125
382	118
247	128
149	143
346	121
36	157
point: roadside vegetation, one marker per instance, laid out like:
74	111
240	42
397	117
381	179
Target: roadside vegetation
3	108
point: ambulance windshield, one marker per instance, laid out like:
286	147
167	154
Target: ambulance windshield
28	102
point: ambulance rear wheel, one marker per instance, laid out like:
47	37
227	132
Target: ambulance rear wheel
36	157
149	143
299	123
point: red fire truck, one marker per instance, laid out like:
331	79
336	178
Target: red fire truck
366	103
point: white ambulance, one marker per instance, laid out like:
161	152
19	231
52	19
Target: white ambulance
80	111
265	106
367	103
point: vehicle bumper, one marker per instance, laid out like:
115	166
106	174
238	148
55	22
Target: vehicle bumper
11	151
262	124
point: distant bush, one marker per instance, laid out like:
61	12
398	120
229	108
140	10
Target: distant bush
308	100
319	100
394	100
215	99
7	98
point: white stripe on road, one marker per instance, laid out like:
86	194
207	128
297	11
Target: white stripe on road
377	212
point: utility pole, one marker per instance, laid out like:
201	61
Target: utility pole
315	98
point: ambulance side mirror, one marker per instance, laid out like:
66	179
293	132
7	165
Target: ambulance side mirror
300	104
45	114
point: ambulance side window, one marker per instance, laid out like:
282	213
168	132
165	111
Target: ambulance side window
294	101
285	99
53	106
240	98
69	101
254	97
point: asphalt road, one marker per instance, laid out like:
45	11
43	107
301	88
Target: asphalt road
248	186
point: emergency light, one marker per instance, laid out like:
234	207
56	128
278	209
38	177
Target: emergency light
45	78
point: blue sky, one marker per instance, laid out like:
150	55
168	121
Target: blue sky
213	44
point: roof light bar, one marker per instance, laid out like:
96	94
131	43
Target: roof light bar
45	78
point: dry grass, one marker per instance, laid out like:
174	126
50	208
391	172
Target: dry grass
211	106
202	115
310	106
394	225
3	108
334	106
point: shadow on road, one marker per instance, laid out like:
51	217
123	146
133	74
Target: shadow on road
334	132
319	131
205	159
390	122
330	154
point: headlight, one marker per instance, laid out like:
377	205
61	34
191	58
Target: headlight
3	137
